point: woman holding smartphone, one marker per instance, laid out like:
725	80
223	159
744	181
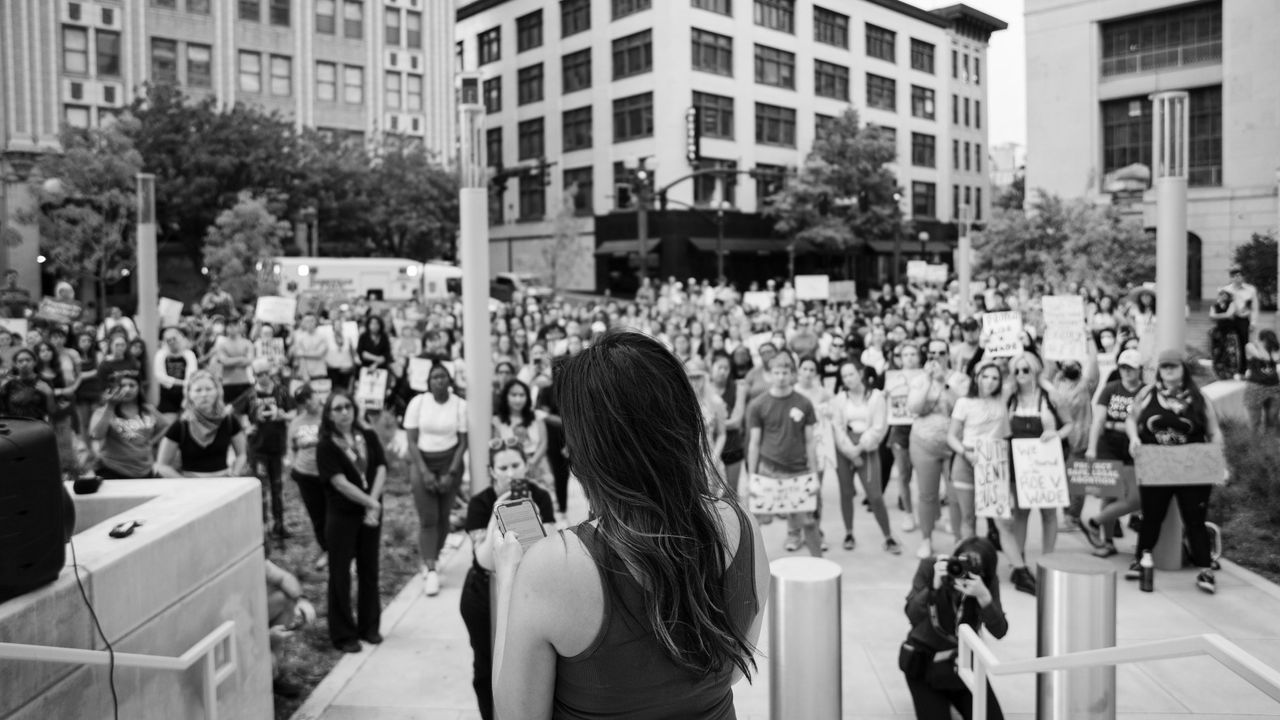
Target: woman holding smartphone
126	430
665	576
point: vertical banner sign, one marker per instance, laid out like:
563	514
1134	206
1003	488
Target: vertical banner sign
897	383
1039	472
693	136
371	390
1004	333
1064	336
991	498
813	287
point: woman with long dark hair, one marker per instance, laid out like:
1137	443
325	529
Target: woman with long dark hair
127	429
1262	395
514	419
89	390
665	577
860	424
23	393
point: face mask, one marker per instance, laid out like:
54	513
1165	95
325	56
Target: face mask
1071	373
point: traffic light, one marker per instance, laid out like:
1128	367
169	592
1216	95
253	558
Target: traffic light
624	198
498	182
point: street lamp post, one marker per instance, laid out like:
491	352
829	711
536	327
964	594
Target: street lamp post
473	255
897	240
923	237
964	268
720	240
148	287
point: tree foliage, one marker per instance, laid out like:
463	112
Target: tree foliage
1014	196
559	254
241	242
1061	241
414	209
1257	261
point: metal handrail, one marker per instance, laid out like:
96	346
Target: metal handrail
203	651
976	663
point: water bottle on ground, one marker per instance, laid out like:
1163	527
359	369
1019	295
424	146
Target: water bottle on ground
1147	581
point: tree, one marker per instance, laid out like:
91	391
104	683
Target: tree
1257	261
1014	196
240	243
335	178
565	229
843	195
1061	241
85	197
413	209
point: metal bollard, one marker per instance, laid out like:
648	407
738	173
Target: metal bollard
1076	611
804	639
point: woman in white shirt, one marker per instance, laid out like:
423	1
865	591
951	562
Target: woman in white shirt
436	424
979	416
860	424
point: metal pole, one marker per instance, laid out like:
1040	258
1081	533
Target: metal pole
804	639
964	267
1076	611
642	220
1277	238
473	256
148	308
720	241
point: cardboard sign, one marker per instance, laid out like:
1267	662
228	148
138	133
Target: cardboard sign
58	311
1039	473
276	310
758	300
1003	331
813	287
371	390
783	496
17	326
1065	335
1192	464
917	270
419	369
842	291
897	383
936	274
1100	478
1062	309
170	312
991	486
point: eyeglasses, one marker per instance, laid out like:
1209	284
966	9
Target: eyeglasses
499	443
937	353
345	407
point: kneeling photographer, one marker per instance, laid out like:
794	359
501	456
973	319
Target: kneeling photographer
948	591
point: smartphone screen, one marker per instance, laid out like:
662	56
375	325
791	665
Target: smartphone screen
521	517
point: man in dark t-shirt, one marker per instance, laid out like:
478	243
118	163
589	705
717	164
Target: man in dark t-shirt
267	409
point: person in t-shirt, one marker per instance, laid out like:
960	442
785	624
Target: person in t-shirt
174	364
781	443
233	353
126	429
266	410
1108	441
202	437
304	436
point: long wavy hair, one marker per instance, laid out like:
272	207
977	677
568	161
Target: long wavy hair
637	443
502	408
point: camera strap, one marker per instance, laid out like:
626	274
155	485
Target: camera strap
937	626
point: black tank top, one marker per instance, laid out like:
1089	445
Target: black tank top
1262	371
1159	425
625	672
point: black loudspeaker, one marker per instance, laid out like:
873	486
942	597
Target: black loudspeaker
36	514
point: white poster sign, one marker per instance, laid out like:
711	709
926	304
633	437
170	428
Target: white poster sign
813	287
1039	472
783	496
276	310
917	270
991	487
758	300
371	390
1003	331
419	369
1065	336
170	312
897	384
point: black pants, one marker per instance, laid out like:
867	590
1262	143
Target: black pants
315	501
349	538
1193	505
341	379
270	471
934	704
475	607
1240	326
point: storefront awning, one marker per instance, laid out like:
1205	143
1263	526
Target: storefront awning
742	245
626	247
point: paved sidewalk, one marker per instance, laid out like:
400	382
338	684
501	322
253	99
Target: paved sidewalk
423	668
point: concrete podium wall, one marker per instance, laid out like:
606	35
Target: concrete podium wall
195	563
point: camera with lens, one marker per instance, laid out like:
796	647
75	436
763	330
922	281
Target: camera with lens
961	566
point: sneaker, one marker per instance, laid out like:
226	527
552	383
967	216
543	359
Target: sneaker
373	638
849	542
822	541
793	542
1134	572
1023	580
909	523
1206	582
925	550
348	646
1105	551
893	547
1093	533
431	584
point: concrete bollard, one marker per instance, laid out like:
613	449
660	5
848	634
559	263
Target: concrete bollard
804	639
1076	611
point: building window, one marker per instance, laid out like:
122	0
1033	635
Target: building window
712	53
413	30
775	125
977	114
413	93
529	31
326	17
577	129
768	178
887	133
955	154
968	155
821	123
251	10
1189	35
353	84
880	42
493	95
578	184
77	116
576	68
922	150
633	117
922	102
955	65
921	56
977	203
955	109
280	13
704	186
955	203
199	66
250	72
533	198
968	196
493	147
964	61
633	55
777	14
830	27
489	46
108	53
623	8
75	50
1204	157
281	76
531	140
529	84
924	199
966	112
715	112
882	92
977	157
724	7
830	80
353	20
775	67
165	4
164	61
391	90
575	17
459	56
977	70
392	27
326	81
198	7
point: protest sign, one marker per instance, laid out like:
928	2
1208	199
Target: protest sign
991	485
897	384
17	326
321	387
1003	331
275	310
1065	335
62	312
371	390
1039	473
1101	478
1191	464
419	369
170	312
917	270
935	274
813	287
758	300
783	496
842	291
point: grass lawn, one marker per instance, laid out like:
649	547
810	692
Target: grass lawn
1248	508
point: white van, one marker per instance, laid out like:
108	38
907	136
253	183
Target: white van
389	279
440	279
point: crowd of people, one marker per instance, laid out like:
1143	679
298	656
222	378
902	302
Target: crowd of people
897	391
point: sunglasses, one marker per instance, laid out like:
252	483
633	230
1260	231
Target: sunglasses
1022	371
1170	366
937	353
499	443
345	407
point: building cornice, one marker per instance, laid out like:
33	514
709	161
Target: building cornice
477	7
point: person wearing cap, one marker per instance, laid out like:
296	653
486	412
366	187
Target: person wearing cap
1244	312
1173	411
126	429
265	412
1108	441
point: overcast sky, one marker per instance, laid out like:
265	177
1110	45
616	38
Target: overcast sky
1006	69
